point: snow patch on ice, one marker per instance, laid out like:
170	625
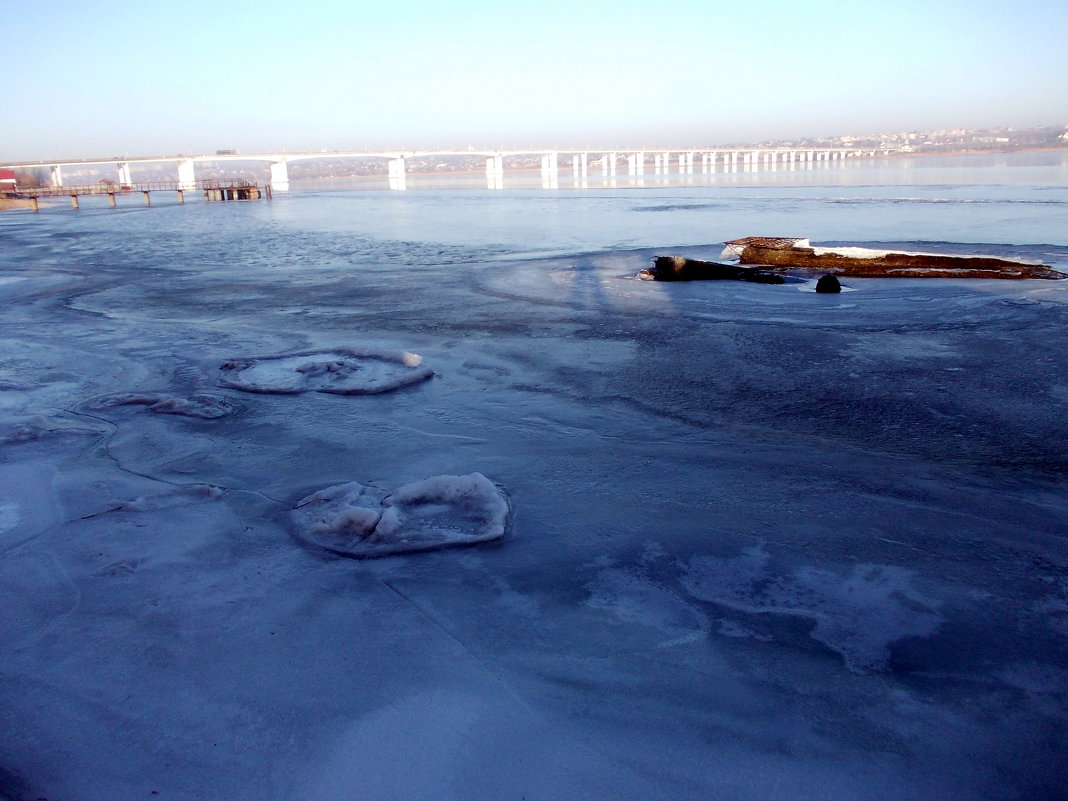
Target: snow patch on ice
341	371
859	615
200	405
361	521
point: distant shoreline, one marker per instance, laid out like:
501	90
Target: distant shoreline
930	153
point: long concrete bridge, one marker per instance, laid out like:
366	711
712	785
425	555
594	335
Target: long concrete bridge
634	162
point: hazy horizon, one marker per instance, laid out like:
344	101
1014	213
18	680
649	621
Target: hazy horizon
119	77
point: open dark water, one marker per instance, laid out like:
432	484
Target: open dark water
764	544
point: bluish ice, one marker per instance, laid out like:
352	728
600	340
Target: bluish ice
760	544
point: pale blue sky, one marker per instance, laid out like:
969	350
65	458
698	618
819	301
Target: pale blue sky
101	77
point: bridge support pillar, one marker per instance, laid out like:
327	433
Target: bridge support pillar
580	166
187	176
56	175
398	173
280	176
550	170
124	175
495	172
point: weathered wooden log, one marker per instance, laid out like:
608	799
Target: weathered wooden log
679	268
786	254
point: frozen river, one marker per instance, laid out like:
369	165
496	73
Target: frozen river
760	543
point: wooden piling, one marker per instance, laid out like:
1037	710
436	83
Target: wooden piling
111	199
148	200
74	201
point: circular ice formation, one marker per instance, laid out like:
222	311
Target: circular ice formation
443	511
341	371
200	405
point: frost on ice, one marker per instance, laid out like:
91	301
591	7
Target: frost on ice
859	615
14	430
170	498
360	521
342	371
200	405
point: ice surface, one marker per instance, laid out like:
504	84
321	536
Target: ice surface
341	371
360	521
765	545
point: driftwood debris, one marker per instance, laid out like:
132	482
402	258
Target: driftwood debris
828	284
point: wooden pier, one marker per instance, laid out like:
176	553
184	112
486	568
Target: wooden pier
212	189
242	190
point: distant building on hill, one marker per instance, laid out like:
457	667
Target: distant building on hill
7	181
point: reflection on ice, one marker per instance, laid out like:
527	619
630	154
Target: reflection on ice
360	521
